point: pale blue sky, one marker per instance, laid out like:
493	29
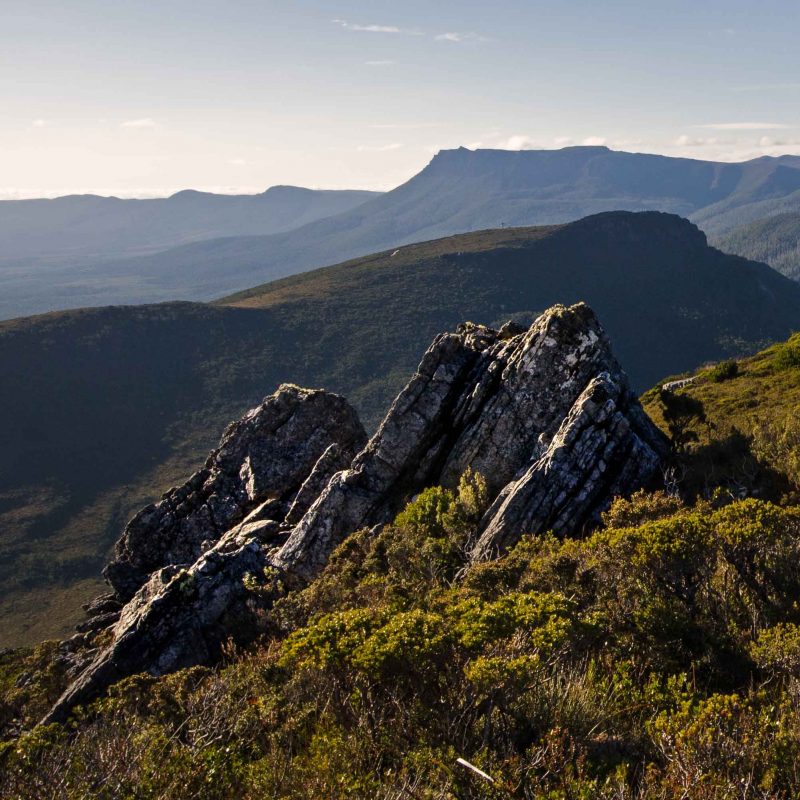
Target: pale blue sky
143	98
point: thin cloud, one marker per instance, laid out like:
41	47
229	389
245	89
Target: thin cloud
516	142
355	26
379	148
767	87
523	142
380	63
744	126
238	162
144	122
769	142
519	143
456	36
405	126
694	141
39	123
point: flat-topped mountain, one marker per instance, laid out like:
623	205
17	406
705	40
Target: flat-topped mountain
103	409
458	191
463	190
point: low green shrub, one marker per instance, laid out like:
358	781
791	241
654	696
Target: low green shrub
657	658
723	371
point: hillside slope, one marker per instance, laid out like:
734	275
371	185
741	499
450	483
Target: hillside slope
458	191
101	409
774	240
738	422
654	658
462	190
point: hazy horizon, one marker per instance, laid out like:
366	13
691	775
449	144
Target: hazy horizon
145	194
148	99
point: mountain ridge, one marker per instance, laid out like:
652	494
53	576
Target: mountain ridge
774	240
458	191
136	396
24	236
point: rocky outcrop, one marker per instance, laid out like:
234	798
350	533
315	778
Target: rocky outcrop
603	448
261	462
545	415
179	618
479	399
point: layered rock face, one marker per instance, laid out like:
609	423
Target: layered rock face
544	414
604	447
259	466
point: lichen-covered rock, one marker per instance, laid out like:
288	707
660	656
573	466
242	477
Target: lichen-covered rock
262	460
334	459
397	460
178	618
480	399
605	447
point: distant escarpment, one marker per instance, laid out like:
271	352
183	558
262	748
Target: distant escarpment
544	414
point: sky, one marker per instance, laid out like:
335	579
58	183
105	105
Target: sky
146	98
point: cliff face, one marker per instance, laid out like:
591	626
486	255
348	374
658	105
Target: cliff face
545	415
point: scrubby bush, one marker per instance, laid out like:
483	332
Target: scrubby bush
787	354
723	371
641	507
776	442
777	650
657	658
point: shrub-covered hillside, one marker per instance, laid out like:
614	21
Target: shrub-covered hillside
137	396
660	657
735	425
774	240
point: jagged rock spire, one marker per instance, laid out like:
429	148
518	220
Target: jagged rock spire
545	414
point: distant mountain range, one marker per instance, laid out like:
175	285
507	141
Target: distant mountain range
460	190
80	226
49	249
774	240
104	408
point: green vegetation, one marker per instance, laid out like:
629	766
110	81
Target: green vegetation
738	433
774	240
658	658
723	371
104	409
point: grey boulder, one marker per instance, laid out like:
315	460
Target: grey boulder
262	461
